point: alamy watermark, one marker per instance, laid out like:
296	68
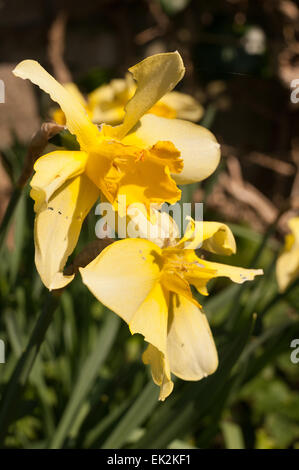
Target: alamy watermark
295	92
2	352
137	221
295	353
2	92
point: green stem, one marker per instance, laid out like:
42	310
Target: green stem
24	365
277	298
236	301
9	213
270	231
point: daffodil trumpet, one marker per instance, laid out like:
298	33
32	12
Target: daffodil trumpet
149	287
141	158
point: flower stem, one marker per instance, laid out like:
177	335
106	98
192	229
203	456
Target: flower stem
236	300
9	213
16	385
278	296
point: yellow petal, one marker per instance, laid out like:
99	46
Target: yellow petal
147	180
112	116
123	275
211	236
77	120
287	266
236	274
150	319
155	76
177	284
51	172
185	106
160	370
57	228
161	230
198	146
218	238
294	226
163	110
106	103
199	275
191	349
75	92
57	114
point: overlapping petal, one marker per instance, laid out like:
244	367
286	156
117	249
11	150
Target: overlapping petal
155	76
123	275
77	120
151	318
198	147
161	229
58	115
57	227
160	370
211	236
191	350
183	106
52	171
106	103
148	180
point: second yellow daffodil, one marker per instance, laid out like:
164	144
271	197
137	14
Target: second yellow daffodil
149	287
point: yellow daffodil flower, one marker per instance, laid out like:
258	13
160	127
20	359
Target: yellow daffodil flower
66	184
107	103
149	287
287	266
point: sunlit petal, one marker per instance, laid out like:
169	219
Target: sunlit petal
185	106
191	350
211	236
123	275
150	319
57	114
236	274
160	370
77	120
51	172
156	75
162	229
148	180
57	228
198	146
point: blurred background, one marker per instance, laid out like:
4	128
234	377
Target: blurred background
88	387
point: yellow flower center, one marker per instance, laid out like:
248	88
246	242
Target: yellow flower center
182	268
141	174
